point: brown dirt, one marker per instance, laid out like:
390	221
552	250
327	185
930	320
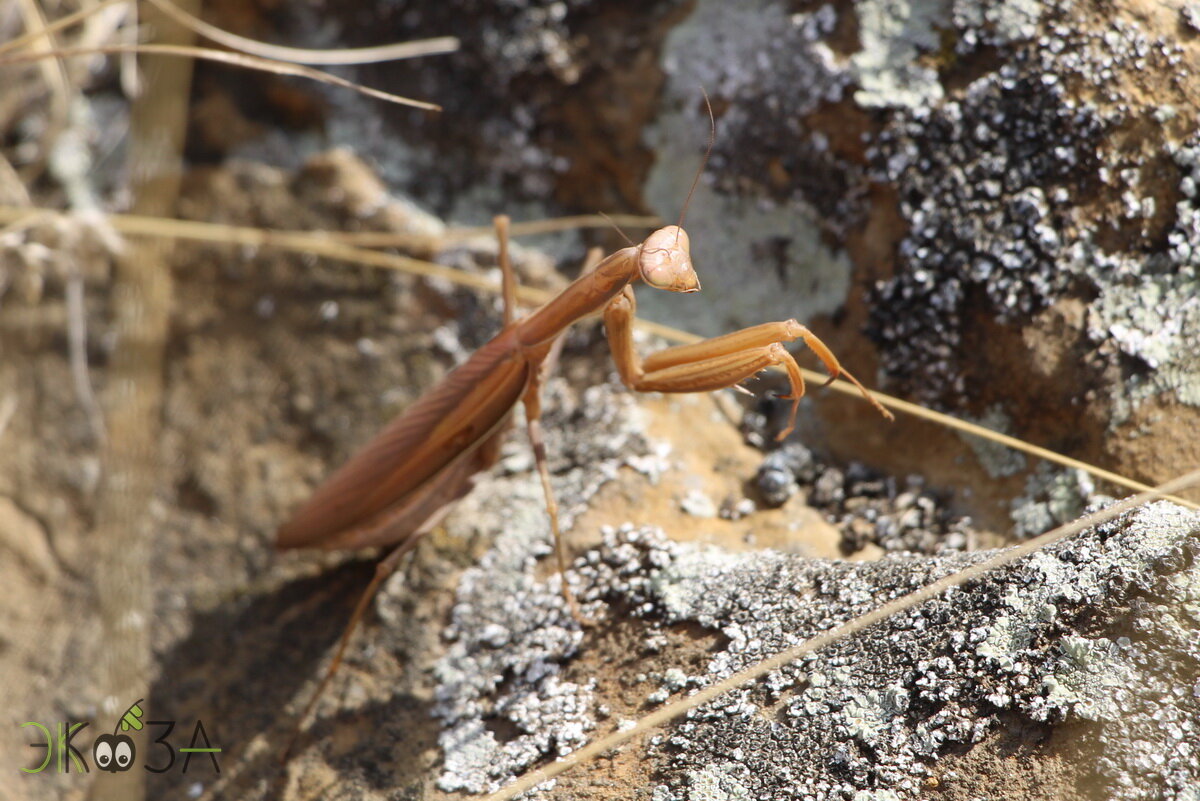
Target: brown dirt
257	405
1026	760
792	527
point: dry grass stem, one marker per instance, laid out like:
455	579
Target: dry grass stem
58	25
224	57
334	57
54	75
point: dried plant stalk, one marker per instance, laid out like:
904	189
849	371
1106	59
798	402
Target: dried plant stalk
141	297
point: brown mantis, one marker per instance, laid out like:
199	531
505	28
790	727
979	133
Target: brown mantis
399	485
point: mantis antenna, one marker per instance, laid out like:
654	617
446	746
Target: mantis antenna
617	228
712	139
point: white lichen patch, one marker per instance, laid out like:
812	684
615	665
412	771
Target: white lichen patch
895	34
998	460
500	694
929	680
876	795
868	715
1151	309
1090	677
1000	23
1052	496
509	627
714	783
679	585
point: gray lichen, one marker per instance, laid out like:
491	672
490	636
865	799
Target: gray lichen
713	783
999	23
1044	640
1151	310
998	460
509	627
748	50
1052	496
1005	645
895	34
510	630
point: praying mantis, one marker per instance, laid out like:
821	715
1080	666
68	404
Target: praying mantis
401	483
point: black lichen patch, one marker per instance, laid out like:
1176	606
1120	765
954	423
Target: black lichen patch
866	507
1050	175
987	184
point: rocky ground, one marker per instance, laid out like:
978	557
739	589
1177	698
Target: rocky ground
994	207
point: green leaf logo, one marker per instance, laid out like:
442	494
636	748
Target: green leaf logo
132	719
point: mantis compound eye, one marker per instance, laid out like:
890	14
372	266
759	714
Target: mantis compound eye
665	261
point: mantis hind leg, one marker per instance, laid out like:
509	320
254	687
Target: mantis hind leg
533	424
383	569
407	524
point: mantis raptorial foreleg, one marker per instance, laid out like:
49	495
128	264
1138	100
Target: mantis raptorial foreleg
719	362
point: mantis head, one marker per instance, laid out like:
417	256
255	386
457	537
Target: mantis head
665	261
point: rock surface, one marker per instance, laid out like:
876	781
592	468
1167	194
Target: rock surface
992	207
1082	658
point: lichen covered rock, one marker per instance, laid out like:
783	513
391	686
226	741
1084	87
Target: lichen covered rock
1095	636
